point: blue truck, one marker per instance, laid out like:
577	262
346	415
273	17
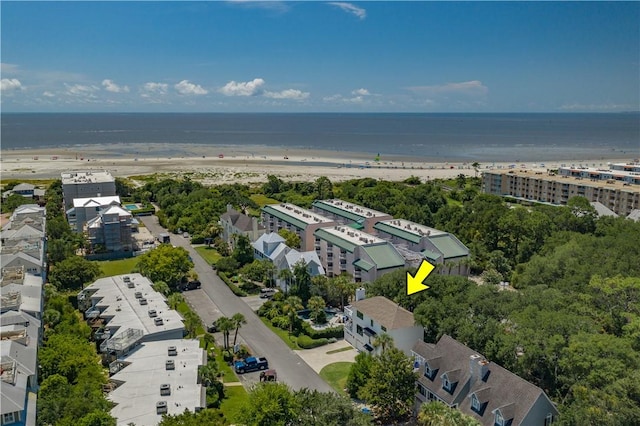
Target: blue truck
251	363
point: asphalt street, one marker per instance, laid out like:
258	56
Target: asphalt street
291	369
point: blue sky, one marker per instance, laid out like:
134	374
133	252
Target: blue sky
313	56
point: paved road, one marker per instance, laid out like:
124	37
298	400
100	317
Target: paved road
290	367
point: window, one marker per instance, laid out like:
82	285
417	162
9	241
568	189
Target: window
446	384
421	390
371	323
383	328
359	315
8	418
499	421
359	330
548	420
428	372
475	403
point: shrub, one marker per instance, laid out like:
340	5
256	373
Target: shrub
280	322
306	342
336	332
197	239
234	288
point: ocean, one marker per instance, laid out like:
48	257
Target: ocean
460	137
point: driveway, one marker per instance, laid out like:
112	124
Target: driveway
290	367
318	358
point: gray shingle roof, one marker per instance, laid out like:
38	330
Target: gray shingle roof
385	312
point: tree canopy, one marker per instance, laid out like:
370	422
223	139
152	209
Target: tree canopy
165	263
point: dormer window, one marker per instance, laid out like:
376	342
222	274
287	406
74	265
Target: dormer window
446	384
475	403
499	421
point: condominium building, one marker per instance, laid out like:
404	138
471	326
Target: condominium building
111	230
86	184
296	219
617	190
85	209
342	249
346	213
438	247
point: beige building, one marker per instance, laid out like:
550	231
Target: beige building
296	219
620	196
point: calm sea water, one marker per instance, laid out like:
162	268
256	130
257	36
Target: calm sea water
477	137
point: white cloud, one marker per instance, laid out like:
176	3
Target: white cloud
152	88
361	92
110	86
247	88
472	88
10	84
288	94
48	94
276	6
80	90
598	107
8	68
332	98
350	8
187	88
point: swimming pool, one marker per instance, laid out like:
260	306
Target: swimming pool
131	207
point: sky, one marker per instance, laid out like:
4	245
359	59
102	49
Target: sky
311	56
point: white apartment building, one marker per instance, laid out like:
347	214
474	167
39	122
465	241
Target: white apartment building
86	184
346	213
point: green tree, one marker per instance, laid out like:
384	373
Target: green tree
359	374
290	308
302	283
238	321
436	413
165	263
161	287
316	306
191	323
14	201
174	300
391	386
97	418
291	239
270	404
324	188
225	325
287	276
208	340
243	251
73	273
188	418
327	409
383	341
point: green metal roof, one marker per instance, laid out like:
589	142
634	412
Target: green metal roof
384	256
400	233
431	255
356	225
337	211
283	216
335	240
363	264
449	246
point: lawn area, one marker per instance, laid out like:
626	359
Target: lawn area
262	200
183	308
336	375
235	398
209	254
116	267
284	335
228	375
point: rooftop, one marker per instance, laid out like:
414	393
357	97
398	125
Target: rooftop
385	312
296	215
82	177
410	230
138	383
96	201
552	177
347	237
348	210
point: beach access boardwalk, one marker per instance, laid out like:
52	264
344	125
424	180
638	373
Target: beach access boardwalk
291	369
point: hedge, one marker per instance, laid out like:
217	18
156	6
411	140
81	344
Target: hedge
337	332
306	342
234	288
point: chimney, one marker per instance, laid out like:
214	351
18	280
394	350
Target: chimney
479	367
254	227
360	293
229	208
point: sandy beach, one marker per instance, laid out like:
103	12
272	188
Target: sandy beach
243	164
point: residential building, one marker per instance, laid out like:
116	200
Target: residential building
21	291
26	190
157	378
342	249
19	338
461	378
86	184
125	310
111	230
85	209
438	247
23	240
346	213
272	247
370	317
236	223
617	190
296	219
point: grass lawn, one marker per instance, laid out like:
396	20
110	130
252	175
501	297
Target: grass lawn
336	375
209	254
262	200
284	335
116	267
228	375
183	308
235	397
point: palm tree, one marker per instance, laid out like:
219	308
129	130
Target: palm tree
383	341
290	308
316	306
208	340
161	287
191	323
225	325
475	166
237	319
174	300
286	275
344	287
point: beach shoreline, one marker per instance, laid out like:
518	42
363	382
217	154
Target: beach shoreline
251	164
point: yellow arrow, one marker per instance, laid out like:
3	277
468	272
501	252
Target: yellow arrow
414	283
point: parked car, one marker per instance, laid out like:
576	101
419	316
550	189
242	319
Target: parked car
212	328
191	285
267	293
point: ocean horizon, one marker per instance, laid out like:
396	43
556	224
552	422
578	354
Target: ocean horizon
451	136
